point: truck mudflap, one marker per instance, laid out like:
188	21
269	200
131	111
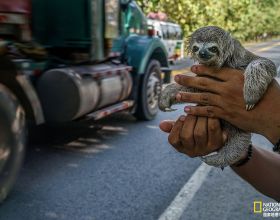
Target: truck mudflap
34	101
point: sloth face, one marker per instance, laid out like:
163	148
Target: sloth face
211	46
206	53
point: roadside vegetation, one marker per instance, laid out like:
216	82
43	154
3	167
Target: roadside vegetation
247	20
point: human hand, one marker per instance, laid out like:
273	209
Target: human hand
194	136
223	98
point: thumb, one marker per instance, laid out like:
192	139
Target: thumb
166	125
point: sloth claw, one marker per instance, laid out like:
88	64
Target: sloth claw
170	109
250	107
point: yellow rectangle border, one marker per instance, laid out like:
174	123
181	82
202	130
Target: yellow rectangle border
257	206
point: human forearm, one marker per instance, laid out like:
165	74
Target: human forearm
262	172
267	115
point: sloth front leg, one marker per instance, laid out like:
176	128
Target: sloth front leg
258	75
235	148
168	96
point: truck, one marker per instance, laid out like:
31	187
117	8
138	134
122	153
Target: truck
171	35
63	60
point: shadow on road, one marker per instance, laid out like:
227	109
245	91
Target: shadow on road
87	136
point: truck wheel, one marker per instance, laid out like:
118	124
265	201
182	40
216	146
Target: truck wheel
12	140
150	88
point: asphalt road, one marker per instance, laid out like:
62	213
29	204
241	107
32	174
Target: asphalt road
119	168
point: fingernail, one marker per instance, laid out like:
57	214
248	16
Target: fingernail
187	109
178	97
182	118
194	69
177	78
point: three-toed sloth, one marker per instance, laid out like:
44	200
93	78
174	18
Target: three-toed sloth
214	46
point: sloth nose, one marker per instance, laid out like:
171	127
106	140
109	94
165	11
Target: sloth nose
203	54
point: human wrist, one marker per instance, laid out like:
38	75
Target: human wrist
268	125
272	134
266	118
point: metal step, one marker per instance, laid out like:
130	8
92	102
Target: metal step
110	110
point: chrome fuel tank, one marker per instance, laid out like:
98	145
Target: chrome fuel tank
69	93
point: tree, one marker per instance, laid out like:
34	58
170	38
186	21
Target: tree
245	19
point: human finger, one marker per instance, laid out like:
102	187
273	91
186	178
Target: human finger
174	136
186	134
166	125
202	83
200	98
216	137
206	111
223	74
200	134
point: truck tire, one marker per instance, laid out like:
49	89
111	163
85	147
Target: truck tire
12	140
150	88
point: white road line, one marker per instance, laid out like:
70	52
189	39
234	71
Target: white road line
175	210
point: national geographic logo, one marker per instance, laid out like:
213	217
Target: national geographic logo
267	209
258	207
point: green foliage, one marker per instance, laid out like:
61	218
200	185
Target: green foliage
245	19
